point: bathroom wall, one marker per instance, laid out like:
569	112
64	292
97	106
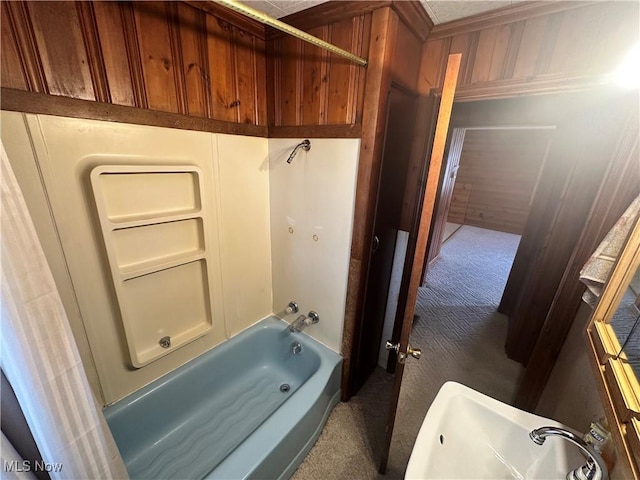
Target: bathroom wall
162	56
571	395
55	176
312	203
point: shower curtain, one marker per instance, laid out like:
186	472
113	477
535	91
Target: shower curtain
39	356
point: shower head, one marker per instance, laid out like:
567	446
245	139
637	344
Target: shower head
305	145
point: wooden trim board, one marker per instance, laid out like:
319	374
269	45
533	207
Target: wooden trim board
40	103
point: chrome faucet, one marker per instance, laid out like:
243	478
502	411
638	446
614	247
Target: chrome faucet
594	469
304	321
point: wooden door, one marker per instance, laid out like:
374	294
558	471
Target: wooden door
401	109
446	194
418	243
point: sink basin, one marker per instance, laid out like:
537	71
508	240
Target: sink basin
467	435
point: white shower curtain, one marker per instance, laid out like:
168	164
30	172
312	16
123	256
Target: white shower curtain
39	356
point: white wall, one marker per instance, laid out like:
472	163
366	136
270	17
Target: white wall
245	236
312	203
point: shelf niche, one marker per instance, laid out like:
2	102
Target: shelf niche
153	222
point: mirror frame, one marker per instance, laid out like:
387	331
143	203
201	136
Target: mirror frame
619	386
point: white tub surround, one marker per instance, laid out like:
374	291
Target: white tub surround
312	200
55	157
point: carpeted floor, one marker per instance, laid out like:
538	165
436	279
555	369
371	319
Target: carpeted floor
461	337
449	229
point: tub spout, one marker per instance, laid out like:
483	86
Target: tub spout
304	321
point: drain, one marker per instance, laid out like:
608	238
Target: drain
285	387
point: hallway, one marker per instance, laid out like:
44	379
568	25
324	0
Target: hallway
461	337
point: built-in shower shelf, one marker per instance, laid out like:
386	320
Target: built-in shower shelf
153	222
146	268
130	221
156	351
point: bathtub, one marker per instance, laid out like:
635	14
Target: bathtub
247	409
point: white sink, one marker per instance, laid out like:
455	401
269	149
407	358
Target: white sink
467	435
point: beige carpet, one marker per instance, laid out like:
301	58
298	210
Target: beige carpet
461	337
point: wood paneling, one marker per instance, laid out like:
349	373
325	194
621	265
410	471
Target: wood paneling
11	77
346	34
21	31
317	131
194	60
313	87
62	53
406	58
222	66
534	47
383	28
328	13
620	185
414	17
315	80
310	86
497	174
134	57
577	162
32	102
186	58
158	64
89	28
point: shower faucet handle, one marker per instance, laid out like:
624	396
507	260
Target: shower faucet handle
291	308
314	317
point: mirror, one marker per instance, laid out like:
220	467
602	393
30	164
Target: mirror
614	337
625	323
616	325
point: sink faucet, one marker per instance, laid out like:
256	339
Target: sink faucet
304	321
594	469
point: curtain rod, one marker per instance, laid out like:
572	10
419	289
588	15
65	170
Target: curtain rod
272	22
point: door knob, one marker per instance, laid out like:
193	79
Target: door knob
392	346
414	352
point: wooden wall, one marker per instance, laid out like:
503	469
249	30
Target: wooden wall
497	174
308	86
533	47
191	59
619	184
